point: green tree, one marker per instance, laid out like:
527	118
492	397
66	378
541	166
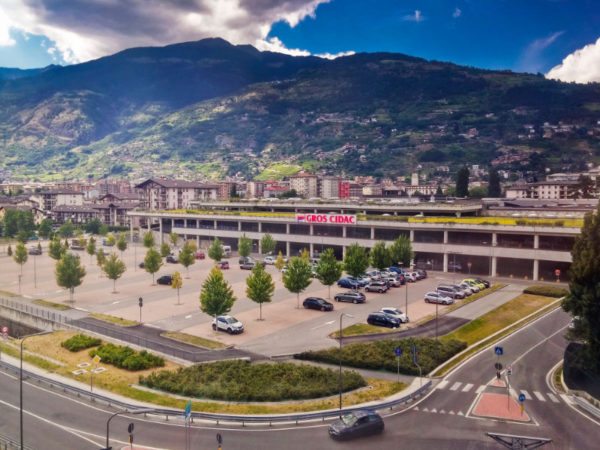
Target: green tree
20	255
22	236
462	182
216	296
103	230
438	191
494	184
356	260
111	240
165	250
244	245
280	262
401	251
82	241
215	251
10	222
56	249
148	239
9	251
297	277
305	255
260	287
380	256
267	244
174	237
122	243
45	228
583	299
66	244
66	229
93	226
152	262
328	269
69	273
113	267
191	246
91	247
186	258
100	259
586	187
478	192
176	283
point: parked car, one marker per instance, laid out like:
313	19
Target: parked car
347	283
227	323
473	282
410	277
34	251
422	273
377	286
244	259
436	297
350	296
460	289
270	260
392	282
171	259
395	312
360	281
451	291
396	269
486	283
374	275
454	267
317	303
223	265
284	269
470	290
142	265
33	238
381	319
200	254
165	279
248	265
362	422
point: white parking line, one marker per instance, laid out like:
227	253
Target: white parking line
442	384
467	387
455	386
539	396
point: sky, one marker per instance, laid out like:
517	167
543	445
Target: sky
559	38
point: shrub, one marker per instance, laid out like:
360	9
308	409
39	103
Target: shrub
546	291
127	358
242	381
80	342
379	355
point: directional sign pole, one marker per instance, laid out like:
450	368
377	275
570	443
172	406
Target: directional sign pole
398	353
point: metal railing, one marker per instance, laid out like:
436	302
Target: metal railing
7	443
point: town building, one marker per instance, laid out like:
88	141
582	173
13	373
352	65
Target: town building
158	194
305	185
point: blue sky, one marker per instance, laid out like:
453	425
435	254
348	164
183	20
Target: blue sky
521	35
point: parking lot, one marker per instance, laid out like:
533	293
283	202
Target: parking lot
284	328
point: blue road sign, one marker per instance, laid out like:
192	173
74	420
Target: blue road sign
521	398
498	351
398	351
188	409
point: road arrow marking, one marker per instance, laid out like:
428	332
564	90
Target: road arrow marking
416	408
425	410
527	396
189	316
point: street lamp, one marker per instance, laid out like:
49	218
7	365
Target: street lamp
134	411
341	316
21	384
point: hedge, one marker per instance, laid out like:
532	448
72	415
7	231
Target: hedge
546	291
80	342
127	358
237	380
379	355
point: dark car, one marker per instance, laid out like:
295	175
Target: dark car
317	303
200	254
377	286
350	296
381	319
142	265
348	284
421	273
35	251
223	265
486	283
165	279
171	259
362	422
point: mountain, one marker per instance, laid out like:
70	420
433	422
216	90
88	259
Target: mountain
8	73
212	108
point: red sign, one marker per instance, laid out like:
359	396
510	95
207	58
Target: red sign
469	265
557	272
4	330
330	219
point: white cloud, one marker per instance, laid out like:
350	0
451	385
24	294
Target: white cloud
275	45
335	55
533	58
86	29
417	16
457	13
581	66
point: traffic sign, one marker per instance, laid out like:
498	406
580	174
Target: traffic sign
509	370
4	330
398	351
521	398
557	272
188	409
130	428
498	351
498	366
96	359
469	264
141	302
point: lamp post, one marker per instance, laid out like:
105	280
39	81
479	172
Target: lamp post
341	316
134	411
21	384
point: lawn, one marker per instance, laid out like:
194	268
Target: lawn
48	304
193	340
116	320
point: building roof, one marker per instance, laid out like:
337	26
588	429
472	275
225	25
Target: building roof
183	184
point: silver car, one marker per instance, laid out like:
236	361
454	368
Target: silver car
396	313
436	297
468	289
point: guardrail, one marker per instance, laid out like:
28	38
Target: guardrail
35	311
7	443
295	417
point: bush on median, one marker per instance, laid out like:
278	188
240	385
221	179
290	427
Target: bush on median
546	291
379	355
127	358
80	342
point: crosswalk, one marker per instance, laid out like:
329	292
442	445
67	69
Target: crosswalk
458	386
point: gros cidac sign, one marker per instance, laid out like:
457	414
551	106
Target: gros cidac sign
329	219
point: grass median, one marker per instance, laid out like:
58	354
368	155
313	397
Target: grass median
48	304
194	340
116	320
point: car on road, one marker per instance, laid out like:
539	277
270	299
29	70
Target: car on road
436	297
227	323
34	251
395	312
248	265
374	275
317	303
165	279
450	291
381	319
200	254
358	423
223	265
270	260
171	259
377	286
350	296
347	283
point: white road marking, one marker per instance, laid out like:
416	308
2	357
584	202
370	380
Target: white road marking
434	410
451	413
151	325
58	291
460	413
442	384
323	325
416	408
539	396
425	410
467	387
455	386
566	398
442	411
81	309
27	296
480	389
189	316
116	302
526	394
552	397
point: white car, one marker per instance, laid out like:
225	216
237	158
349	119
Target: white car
436	297
396	313
410	277
468	289
270	260
227	323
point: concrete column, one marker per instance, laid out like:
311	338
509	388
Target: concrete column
214	224
160	231
372	233
445	265
411	235
311	231
287	249
494	239
536	269
260	227
343	252
131	230
494	266
287	228
184	223
344	232
458	214
311	249
172	224
198	241
239	225
445	237
148	223
536	241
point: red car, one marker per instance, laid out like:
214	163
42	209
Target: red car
223	265
200	254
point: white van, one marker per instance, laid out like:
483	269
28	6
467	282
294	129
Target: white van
227	250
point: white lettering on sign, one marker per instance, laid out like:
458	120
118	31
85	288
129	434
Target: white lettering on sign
331	219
